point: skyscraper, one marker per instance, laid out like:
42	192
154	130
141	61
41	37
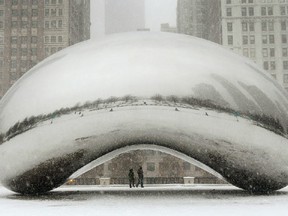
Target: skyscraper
118	16
259	30
31	30
200	18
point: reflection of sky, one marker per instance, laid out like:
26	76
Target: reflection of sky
157	12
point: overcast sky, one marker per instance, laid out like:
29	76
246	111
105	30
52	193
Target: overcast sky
157	12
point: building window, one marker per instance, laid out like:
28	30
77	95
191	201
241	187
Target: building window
285	65
229	26
53	1
33	51
246	52
34	12
271	25
245	39
272	52
24	24
1	25
230	40
60	39
34	2
24	12
53	24
60	1
60	12
263	11
270	11
252	39
228	1
47	2
265	52
59	23
1	2
244	11
34	39
14	52
251	11
251	1
14	24
13	64
14	2
283	25
264	26
1	12
150	167
228	11
47	12
47	24
285	78
284	39
34	24
46	39
284	52
251	26
14	13
252	53
53	50
266	65
244	26
14	40
53	39
53	12
271	39
24	39
24	52
244	1
272	65
282	10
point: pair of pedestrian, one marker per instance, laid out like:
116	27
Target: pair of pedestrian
132	178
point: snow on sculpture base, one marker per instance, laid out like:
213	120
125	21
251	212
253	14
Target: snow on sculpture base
166	91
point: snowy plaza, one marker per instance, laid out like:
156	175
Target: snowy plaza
152	200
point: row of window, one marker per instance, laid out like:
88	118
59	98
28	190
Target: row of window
24	13
51	50
53	24
24	39
16	2
266	39
53	39
23	63
53	2
54	12
252	1
249	11
266	52
24	51
24	24
265	26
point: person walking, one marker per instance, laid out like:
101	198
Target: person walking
131	178
140	177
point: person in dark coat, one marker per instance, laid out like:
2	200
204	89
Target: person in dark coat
140	177
131	178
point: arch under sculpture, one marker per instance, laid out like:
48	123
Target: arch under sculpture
174	91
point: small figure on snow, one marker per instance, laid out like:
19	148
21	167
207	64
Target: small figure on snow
206	113
111	110
176	109
131	178
140	177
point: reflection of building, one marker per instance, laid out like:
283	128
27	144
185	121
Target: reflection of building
159	168
200	18
165	27
259	30
31	30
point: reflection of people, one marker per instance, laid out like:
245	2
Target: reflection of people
140	177
131	178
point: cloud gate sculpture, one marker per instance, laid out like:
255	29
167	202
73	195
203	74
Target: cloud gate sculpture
155	89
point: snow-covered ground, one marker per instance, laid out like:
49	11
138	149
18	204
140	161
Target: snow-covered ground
158	200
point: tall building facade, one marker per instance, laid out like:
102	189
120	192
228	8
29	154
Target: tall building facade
31	30
258	29
200	18
118	16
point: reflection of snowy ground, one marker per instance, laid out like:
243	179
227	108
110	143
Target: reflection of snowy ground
152	200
